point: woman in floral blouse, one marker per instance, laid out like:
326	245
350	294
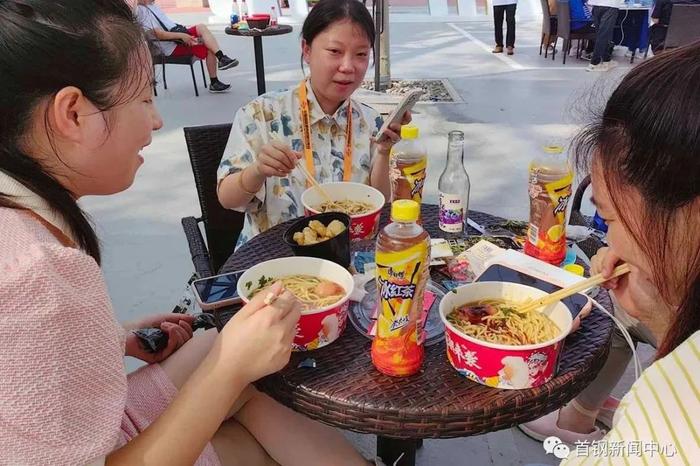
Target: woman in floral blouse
258	173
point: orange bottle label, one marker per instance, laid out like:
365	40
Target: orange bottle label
546	233
397	349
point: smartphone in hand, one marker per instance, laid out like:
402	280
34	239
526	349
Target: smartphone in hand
409	100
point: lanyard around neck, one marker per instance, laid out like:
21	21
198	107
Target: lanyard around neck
306	135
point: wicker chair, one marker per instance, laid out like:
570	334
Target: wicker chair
222	227
591	245
564	31
684	26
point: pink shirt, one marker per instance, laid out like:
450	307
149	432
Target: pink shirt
62	381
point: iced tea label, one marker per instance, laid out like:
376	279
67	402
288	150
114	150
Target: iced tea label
415	176
398	274
548	202
451	215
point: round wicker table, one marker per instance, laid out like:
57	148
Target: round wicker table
344	389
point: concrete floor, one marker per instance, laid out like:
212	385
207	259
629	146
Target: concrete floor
510	107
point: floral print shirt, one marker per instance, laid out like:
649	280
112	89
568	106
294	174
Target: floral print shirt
278	115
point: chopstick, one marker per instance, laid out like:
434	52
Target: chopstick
313	181
573	289
302	168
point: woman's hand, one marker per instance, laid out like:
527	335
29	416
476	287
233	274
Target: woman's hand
636	294
178	327
392	135
257	341
605	262
276	159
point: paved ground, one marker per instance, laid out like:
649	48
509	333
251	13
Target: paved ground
509	108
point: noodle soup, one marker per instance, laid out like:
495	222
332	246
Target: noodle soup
361	202
313	292
346	206
322	286
490	343
501	322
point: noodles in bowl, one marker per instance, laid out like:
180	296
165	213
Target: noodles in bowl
361	202
313	292
346	206
499	321
491	343
323	287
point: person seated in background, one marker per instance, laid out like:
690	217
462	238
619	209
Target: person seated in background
581	21
661	18
194	40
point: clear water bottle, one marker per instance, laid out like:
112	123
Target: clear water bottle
273	16
454	187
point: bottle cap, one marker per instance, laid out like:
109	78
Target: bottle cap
575	269
553	149
409	132
405	210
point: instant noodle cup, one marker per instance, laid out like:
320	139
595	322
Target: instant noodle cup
317	327
362	226
496	365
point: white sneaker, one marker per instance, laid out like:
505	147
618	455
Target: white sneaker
602	66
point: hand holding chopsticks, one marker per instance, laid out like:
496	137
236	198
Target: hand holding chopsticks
274	137
573	289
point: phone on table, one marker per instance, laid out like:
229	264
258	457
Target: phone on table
217	291
501	273
409	100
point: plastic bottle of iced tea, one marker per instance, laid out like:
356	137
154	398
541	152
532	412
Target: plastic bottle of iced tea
402	257
408	163
549	189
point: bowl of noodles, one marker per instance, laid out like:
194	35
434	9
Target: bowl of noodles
361	202
491	342
323	287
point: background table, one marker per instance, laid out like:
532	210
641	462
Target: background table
345	390
257	36
634	28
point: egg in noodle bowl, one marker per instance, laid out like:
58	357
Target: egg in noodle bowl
361	202
491	342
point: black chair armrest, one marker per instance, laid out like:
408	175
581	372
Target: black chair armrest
578	197
198	250
591	245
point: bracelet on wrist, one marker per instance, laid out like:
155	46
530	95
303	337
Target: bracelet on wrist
245	190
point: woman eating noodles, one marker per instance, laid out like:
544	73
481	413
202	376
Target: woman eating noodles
315	123
644	158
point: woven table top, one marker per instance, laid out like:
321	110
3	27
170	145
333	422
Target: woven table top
346	391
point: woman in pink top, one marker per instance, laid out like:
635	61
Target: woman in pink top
75	110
